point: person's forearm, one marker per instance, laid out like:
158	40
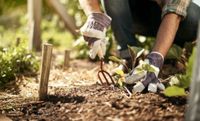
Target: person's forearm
90	6
166	33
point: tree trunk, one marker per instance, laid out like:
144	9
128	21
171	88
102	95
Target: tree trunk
34	15
1	6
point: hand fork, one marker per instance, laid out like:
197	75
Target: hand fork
105	75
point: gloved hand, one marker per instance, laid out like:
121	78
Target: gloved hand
94	32
147	78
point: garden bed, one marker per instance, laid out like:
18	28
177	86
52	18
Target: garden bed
74	95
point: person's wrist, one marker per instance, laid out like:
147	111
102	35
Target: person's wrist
156	59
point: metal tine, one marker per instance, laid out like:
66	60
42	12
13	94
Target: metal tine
104	73
104	76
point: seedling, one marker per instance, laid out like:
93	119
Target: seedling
119	75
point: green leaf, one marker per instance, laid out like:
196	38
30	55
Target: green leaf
119	72
148	68
175	52
191	61
120	82
117	60
132	54
184	81
136	50
174	91
174	81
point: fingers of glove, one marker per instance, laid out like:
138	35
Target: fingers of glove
149	78
161	86
100	53
93	33
152	87
98	48
90	40
102	50
130	79
94	49
139	87
135	75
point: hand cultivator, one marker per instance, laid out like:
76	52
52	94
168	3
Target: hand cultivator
104	76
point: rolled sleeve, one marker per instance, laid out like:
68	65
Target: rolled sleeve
178	7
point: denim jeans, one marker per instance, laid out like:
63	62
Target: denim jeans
130	17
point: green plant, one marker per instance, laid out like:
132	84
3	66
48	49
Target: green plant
174	52
180	82
15	61
135	53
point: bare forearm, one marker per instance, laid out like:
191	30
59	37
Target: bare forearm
90	6
166	33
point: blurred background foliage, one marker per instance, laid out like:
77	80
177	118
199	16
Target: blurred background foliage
14	24
14	20
17	60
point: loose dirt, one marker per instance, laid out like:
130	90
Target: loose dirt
75	95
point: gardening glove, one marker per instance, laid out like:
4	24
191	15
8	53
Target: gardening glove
94	32
147	77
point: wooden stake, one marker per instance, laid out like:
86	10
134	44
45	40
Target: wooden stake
193	110
66	59
18	41
45	70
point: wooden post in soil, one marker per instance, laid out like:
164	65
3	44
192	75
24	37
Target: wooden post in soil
45	70
18	41
193	111
66	59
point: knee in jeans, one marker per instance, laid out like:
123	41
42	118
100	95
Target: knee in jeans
116	8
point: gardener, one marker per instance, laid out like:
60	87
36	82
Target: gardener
170	21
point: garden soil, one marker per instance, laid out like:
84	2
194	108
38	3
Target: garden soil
75	95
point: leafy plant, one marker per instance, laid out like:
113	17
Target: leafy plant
15	61
119	75
134	52
181	82
175	52
146	67
119	61
174	91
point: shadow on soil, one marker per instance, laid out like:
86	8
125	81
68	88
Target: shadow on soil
65	99
179	101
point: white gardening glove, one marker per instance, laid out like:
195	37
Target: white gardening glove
94	32
147	78
98	48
